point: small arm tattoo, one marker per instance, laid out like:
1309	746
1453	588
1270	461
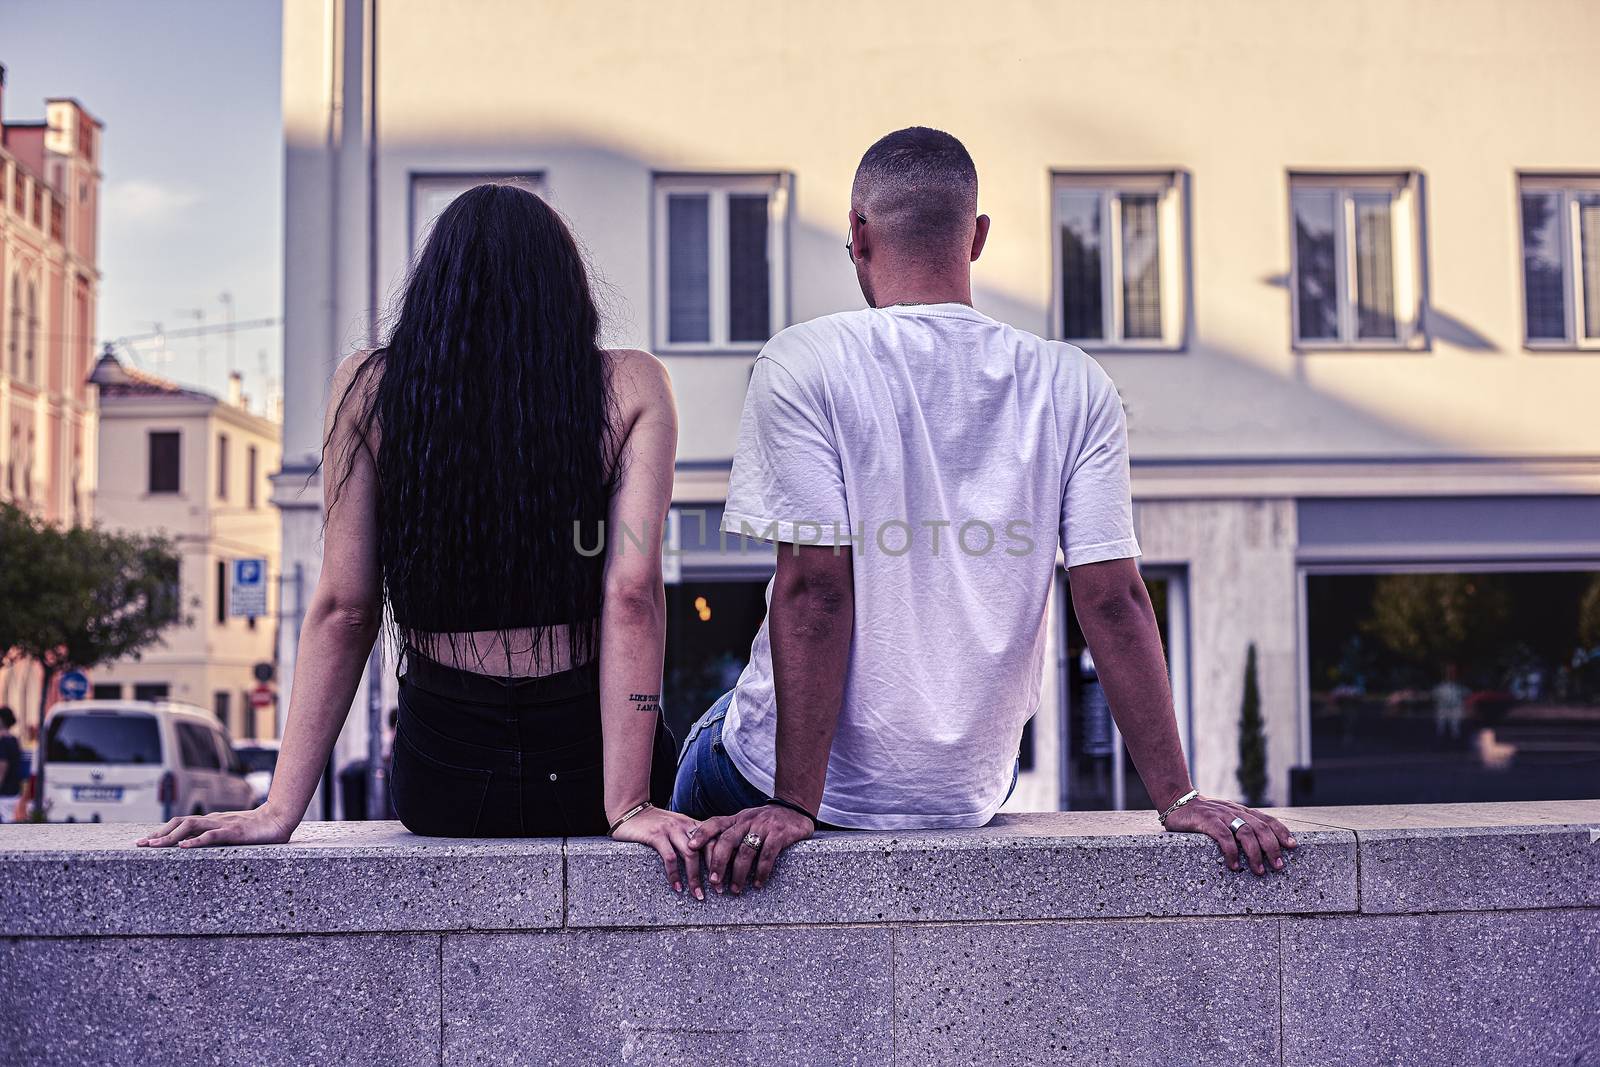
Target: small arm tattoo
649	702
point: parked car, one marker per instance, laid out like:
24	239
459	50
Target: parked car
138	761
260	759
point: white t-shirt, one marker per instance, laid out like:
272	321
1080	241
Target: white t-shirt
951	452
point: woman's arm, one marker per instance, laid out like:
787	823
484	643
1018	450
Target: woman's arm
336	636
633	613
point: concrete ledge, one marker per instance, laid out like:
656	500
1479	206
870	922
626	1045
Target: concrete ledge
1472	857
331	878
1061	865
1449	934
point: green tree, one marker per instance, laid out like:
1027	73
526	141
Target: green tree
76	597
1433	619
1589	615
1252	772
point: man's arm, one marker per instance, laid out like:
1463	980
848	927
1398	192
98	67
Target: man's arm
1114	610
813	618
810	624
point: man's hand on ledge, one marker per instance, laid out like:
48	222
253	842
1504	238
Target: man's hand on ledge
258	827
741	849
1261	838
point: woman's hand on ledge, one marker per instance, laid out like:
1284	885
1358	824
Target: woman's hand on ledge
1260	838
260	826
668	833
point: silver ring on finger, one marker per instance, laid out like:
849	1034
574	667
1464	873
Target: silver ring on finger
692	831
1235	825
752	841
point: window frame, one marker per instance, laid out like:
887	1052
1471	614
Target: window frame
1408	259
419	181
1566	186
717	186
149	446
1171	187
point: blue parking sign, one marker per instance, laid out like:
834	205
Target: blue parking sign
74	685
247	593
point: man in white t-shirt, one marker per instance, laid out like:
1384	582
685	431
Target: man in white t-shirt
918	465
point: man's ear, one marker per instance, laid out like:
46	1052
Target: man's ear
858	237
979	236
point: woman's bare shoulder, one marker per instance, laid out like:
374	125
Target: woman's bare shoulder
640	381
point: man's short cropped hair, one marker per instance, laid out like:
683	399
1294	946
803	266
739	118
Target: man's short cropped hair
919	187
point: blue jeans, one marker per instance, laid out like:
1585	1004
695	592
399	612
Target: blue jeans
708	782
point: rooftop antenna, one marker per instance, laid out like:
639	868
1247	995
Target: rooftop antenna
199	316
226	299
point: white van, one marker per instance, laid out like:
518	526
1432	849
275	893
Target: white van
137	761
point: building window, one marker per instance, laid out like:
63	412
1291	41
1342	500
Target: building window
252	475
1119	260
30	339
1357	277
1452	687
432	193
1561	261
222	704
222	466
719	258
14	332
164	448
151	690
106	691
710	624
222	592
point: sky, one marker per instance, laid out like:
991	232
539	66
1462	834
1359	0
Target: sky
192	166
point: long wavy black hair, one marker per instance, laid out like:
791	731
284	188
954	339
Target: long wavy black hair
491	405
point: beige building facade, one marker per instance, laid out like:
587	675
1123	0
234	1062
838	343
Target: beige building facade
1342	263
195	468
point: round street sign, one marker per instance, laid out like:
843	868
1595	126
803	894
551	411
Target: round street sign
263	672
262	696
74	685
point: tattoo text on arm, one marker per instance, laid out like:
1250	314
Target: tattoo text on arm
648	702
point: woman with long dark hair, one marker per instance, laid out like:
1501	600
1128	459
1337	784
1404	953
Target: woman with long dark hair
473	468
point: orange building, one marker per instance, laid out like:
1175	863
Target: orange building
49	214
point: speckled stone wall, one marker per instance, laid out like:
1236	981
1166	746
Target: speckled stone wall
1435	934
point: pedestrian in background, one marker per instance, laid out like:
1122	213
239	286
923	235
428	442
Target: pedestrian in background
10	762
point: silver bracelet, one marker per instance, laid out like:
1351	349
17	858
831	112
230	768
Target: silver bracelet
1176	804
631	813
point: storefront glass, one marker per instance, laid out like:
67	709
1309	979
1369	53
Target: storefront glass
1436	687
